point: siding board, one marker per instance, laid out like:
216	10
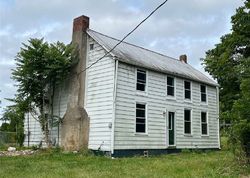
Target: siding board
157	103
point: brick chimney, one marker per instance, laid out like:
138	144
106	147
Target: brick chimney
80	24
75	125
183	58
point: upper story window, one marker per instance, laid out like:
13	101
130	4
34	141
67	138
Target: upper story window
187	89
204	125
91	46
141	80
140	118
170	86
187	121
203	90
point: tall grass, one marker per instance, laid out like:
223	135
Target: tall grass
55	164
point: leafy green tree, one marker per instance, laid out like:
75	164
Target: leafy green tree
229	63
15	116
40	66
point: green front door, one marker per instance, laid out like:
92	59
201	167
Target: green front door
171	128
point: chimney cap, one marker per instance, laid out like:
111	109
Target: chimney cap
81	23
183	58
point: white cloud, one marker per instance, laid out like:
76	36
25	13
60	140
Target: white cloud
179	27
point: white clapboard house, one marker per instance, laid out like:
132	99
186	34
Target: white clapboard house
141	101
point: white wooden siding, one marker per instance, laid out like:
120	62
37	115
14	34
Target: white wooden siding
157	104
99	98
32	126
59	109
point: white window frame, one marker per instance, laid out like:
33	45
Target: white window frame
139	92
191	121
191	94
146	119
170	96
204	102
207	122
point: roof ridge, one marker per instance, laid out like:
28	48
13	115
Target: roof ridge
135	45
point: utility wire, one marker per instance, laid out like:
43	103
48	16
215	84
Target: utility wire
123	37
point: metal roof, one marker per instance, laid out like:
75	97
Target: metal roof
142	57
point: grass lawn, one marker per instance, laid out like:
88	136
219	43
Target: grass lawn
47	164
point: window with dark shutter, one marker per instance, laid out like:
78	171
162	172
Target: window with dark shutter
204	123
203	93
187	121
187	89
140	118
170	86
141	80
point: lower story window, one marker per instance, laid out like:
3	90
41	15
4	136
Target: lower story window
204	123
140	118
187	121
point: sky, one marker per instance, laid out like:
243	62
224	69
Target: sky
179	27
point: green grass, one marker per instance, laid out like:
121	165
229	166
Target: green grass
47	164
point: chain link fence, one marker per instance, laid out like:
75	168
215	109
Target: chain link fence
8	139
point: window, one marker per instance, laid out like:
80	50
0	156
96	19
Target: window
204	123
203	93
187	121
170	86
140	118
187	89
141	80
170	120
91	46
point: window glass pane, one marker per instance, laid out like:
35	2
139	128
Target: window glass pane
140	113
141	76
187	115
142	106
187	85
187	94
141	80
91	46
140	128
170	90
140	87
170	81
203	89
187	127
203	97
169	123
204	129
187	121
203	117
140	118
170	86
170	118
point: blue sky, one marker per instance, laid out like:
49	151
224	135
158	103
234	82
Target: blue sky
179	27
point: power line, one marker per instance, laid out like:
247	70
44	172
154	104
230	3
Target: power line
124	37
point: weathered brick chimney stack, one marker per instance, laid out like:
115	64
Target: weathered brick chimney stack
183	58
75	124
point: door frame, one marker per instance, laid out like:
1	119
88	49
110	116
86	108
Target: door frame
167	128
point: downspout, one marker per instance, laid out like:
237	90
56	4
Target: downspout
114	106
218	115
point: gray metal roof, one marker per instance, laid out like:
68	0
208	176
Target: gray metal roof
142	57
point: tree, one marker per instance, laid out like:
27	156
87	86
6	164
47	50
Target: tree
229	63
40	66
15	116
